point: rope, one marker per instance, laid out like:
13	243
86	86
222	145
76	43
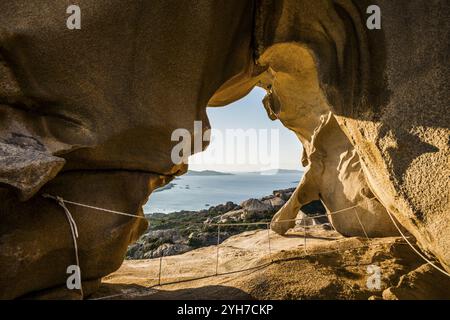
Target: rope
92	207
74	232
73	226
360	223
322	215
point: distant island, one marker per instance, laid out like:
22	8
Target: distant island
277	171
166	187
228	180
218	173
207	173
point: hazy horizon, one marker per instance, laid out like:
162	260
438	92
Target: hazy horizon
244	171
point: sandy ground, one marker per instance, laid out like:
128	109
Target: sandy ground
250	266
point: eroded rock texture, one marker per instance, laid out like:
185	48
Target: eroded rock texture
388	90
333	173
88	115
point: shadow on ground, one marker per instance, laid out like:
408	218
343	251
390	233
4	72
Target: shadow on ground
137	292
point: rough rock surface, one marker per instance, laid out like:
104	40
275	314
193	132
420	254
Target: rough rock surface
105	100
331	269
35	258
89	114
392	106
403	140
26	169
335	177
422	283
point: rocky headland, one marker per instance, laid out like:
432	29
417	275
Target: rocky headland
179	232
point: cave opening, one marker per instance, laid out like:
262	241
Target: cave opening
250	157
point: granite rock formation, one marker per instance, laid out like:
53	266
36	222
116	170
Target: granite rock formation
88	114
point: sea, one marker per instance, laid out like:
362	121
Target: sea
197	192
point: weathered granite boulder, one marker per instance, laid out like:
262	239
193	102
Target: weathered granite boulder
335	177
231	216
225	207
203	239
88	114
400	121
36	244
303	220
172	235
255	205
284	194
275	202
423	283
333	173
388	90
167	249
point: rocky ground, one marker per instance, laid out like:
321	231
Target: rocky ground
179	232
331	267
178	258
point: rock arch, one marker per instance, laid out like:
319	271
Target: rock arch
96	108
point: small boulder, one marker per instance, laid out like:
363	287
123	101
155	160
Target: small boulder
231	216
168	249
277	202
255	205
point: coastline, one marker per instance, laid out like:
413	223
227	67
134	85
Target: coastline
182	231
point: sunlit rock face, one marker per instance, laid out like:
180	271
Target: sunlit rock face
388	90
333	172
403	139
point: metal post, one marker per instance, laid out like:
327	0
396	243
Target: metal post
217	250
268	240
304	231
160	268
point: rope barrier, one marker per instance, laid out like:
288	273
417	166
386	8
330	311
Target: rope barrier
360	223
217	250
92	207
74	230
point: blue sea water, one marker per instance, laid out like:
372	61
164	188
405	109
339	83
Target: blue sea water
199	192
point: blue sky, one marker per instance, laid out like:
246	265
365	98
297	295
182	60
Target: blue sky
248	113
